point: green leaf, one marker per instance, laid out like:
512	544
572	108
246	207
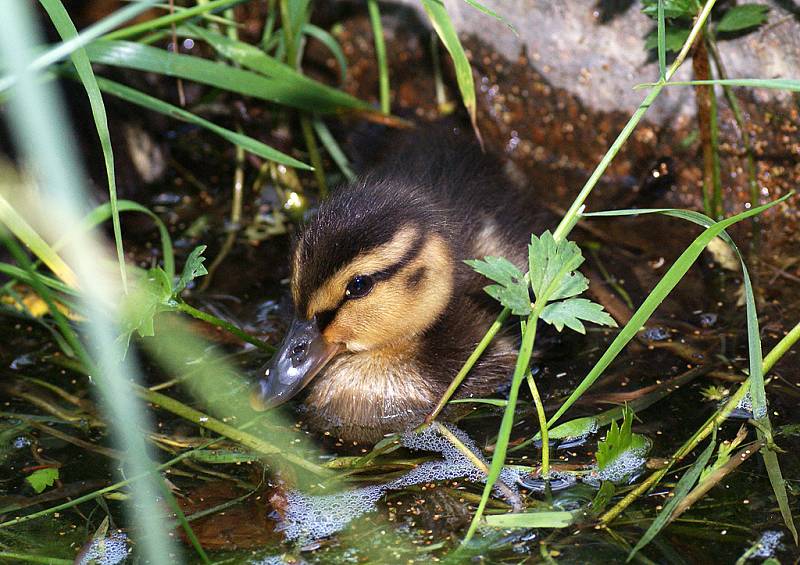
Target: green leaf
570	312
192	269
512	290
674	38
443	26
683	9
66	29
42	478
742	17
553	519
333	46
284	85
656	296
603	497
618	441
152	103
152	295
679	493
551	265
576	428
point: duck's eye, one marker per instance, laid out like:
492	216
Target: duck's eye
359	286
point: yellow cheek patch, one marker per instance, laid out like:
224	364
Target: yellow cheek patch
330	294
396	310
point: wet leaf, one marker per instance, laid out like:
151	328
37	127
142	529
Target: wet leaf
42	478
555	519
618	441
576	428
742	17
570	313
512	290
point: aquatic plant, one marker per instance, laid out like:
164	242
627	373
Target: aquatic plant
92	318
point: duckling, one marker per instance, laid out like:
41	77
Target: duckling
386	311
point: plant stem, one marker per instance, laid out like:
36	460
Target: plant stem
574	211
102	491
501	446
380	54
470	362
237	435
781	348
227	326
719	416
537	400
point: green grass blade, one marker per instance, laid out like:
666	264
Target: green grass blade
333	148
380	55
553	519
101	213
152	103
662	42
66	29
15	272
280	83
23	231
755	361
200	9
656	296
333	46
792	85
302	93
680	491
492	14
63	50
444	29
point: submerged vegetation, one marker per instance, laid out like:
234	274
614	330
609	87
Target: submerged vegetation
129	330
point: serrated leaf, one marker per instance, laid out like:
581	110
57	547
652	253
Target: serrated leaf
674	38
153	294
618	440
192	269
551	264
574	284
42	478
570	313
511	290
742	17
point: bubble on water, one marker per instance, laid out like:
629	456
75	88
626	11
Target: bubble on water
744	410
769	542
318	516
106	551
625	467
278	560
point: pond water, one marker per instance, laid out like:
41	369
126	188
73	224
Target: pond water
413	500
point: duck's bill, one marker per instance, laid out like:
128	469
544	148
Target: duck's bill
301	356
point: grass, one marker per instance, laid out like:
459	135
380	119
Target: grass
272	72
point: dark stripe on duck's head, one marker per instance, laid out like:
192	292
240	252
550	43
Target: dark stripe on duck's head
354	222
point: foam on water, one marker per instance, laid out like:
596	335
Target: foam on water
107	551
317	516
769	542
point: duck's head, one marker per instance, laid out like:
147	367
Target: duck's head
370	274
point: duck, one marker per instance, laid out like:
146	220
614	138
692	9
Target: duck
386	312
